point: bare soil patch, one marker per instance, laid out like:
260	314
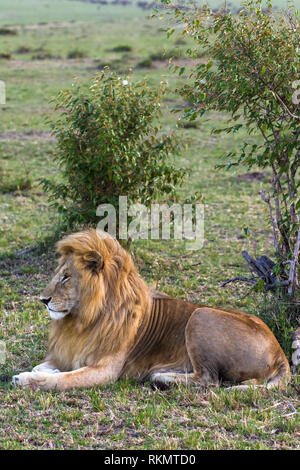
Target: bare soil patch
59	24
253	176
47	63
29	135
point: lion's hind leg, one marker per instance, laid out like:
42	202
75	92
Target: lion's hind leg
279	379
200	349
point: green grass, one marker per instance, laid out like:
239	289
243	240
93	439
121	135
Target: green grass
126	415
15	12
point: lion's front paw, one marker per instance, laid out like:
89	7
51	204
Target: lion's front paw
23	379
33	380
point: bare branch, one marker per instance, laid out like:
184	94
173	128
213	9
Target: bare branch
292	115
275	236
239	278
293	268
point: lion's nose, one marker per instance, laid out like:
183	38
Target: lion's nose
45	300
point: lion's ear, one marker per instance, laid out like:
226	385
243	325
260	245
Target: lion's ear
93	261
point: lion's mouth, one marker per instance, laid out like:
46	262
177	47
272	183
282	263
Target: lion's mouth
57	315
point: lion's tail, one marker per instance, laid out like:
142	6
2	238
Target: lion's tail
280	377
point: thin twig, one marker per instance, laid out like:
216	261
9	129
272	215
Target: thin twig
275	236
239	278
293	268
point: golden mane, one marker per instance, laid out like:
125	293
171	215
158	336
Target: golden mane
111	302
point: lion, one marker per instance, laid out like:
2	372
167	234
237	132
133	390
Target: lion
107	323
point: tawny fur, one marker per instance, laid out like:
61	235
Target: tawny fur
115	326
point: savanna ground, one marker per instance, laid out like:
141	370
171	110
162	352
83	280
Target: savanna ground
126	415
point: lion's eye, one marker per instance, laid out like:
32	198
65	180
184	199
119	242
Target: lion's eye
65	278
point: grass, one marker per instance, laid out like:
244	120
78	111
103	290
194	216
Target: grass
126	415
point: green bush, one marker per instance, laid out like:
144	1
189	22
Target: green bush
8	32
119	65
281	318
167	54
23	50
121	48
188	124
252	74
146	63
76	54
109	145
44	56
12	186
5	56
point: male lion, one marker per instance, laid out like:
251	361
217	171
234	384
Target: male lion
107	324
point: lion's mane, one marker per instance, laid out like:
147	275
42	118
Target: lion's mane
111	302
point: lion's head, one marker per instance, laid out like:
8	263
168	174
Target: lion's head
94	275
62	294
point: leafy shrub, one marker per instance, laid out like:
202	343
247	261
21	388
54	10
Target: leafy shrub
76	54
281	318
120	65
146	63
109	145
15	185
180	41
251	73
23	50
186	124
122	48
5	56
9	184
44	56
8	32
166	54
